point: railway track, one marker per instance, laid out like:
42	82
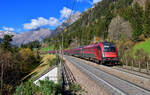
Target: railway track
130	72
141	75
111	83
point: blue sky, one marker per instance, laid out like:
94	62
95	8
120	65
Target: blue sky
23	15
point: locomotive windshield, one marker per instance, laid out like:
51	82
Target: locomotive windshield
109	49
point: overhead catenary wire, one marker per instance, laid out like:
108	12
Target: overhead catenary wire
69	18
72	8
73	4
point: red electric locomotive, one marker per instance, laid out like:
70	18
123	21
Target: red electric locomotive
103	52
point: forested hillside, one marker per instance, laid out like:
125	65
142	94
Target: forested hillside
123	22
108	20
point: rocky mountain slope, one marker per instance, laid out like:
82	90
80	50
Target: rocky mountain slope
141	2
66	23
119	28
2	33
26	37
109	20
0	40
40	33
101	21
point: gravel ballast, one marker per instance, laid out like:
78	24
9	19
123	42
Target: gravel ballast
85	82
140	81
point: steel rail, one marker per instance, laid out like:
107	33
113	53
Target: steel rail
116	89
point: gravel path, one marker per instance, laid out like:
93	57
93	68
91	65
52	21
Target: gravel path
86	83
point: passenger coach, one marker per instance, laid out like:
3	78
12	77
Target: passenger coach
104	52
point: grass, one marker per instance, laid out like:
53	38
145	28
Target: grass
34	49
143	45
48	48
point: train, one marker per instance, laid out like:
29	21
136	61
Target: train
102	52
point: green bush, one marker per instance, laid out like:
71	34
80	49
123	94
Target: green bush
28	88
49	88
46	88
76	88
54	61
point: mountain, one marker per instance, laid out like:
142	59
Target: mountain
2	33
112	20
40	33
66	23
26	37
73	18
119	28
0	40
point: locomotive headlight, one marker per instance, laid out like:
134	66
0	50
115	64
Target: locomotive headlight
103	54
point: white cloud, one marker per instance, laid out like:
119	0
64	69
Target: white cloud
96	1
90	2
35	23
53	21
65	12
8	29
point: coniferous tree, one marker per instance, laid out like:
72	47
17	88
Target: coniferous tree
137	21
6	42
146	16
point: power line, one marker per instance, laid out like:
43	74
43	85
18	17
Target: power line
74	2
73	6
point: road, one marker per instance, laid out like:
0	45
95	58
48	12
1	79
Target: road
111	83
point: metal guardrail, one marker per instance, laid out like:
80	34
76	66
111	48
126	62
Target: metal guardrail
68	77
